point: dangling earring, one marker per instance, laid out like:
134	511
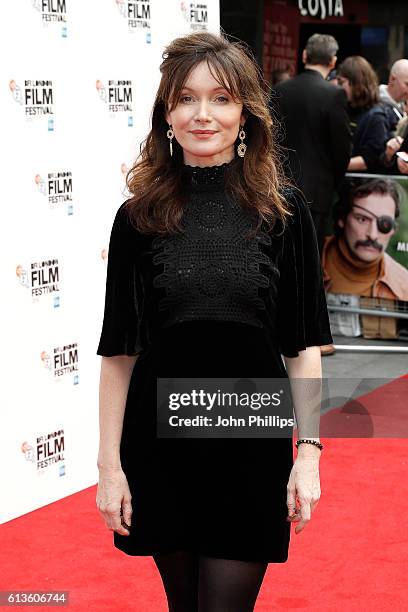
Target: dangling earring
242	146
170	136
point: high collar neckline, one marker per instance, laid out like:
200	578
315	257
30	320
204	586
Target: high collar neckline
205	177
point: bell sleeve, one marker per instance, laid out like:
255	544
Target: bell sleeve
302	317
121	328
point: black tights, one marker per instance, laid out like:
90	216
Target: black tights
204	584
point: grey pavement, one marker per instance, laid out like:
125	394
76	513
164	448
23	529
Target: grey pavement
366	364
350	374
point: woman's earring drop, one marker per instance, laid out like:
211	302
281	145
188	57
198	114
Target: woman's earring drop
242	146
170	136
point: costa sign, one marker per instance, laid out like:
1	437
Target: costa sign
321	8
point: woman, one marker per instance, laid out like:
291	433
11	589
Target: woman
368	119
213	271
398	145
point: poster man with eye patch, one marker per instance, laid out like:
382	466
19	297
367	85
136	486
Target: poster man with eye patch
354	260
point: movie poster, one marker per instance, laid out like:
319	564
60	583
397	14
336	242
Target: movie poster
365	257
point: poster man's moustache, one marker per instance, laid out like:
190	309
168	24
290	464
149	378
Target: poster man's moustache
369	243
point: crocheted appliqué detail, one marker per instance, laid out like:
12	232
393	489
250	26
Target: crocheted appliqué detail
211	270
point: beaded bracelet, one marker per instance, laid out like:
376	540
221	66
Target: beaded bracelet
306	441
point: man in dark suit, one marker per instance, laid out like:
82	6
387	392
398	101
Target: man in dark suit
316	128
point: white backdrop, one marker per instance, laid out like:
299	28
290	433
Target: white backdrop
78	79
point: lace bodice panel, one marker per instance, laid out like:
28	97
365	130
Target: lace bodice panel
211	270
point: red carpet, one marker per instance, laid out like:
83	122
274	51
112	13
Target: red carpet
353	555
381	413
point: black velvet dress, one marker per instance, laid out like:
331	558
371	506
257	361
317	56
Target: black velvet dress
209	303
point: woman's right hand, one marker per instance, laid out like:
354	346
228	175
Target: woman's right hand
113	496
392	146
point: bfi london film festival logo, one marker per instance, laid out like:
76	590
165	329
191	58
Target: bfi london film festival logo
118	97
36	98
47	451
196	14
138	16
62	362
42	279
124	170
56	187
53	13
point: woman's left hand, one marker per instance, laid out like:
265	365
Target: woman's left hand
402	166
303	484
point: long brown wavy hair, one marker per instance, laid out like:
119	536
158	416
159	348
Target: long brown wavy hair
257	181
363	81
